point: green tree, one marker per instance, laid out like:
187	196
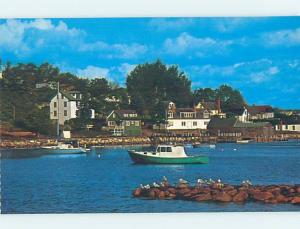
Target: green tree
150	83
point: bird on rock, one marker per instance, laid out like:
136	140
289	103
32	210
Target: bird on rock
155	185
182	181
165	179
142	186
147	186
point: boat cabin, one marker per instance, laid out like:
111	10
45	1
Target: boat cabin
170	150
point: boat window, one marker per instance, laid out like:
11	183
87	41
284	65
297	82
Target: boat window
158	149
169	149
145	152
153	153
163	149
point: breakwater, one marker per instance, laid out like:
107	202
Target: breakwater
220	192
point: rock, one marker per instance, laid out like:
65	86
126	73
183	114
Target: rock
295	200
232	192
282	199
182	186
241	196
183	191
203	197
291	191
271	201
161	195
222	197
204	190
262	196
137	192
172	190
298	189
194	191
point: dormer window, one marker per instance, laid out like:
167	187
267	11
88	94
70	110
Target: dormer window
170	115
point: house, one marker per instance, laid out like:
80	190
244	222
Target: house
124	123
183	119
65	106
260	112
51	85
213	107
234	128
295	127
241	114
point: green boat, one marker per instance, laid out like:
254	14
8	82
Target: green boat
166	154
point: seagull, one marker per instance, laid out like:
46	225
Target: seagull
162	184
155	185
147	186
211	181
165	179
182	181
142	186
219	180
200	181
248	182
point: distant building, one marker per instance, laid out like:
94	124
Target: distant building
184	119
124	123
234	128
51	85
288	127
260	112
214	108
68	104
242	114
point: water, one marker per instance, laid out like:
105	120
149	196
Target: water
36	183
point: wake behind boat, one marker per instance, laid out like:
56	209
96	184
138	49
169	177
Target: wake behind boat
166	154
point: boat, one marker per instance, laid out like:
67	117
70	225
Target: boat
244	141
199	145
70	147
166	154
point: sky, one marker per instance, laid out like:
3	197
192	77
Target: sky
260	56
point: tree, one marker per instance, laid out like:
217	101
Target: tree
231	99
206	94
150	83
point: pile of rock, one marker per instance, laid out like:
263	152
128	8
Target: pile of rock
219	192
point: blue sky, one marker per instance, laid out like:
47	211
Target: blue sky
258	56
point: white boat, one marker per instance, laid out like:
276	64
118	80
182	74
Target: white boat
64	148
243	141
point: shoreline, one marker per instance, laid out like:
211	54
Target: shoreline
122	141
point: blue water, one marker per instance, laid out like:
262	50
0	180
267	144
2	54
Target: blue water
37	183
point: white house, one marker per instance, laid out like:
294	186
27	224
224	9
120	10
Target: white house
260	112
242	114
214	108
63	107
68	104
186	118
288	127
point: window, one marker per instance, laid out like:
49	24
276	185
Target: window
194	123
127	123
182	123
132	122
163	149
55	113
294	127
206	123
158	149
137	123
65	113
111	123
170	123
55	104
169	149
170	115
125	115
114	115
65	104
62	96
286	127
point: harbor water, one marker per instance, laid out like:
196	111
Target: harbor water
103	180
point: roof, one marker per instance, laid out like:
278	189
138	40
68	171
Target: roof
233	122
65	94
221	122
121	114
209	105
238	111
259	109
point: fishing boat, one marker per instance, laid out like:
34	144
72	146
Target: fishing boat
199	145
166	154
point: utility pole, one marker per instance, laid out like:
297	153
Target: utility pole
14	112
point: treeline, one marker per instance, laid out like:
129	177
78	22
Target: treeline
147	86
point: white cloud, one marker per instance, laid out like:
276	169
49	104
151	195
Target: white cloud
26	37
92	72
186	42
282	37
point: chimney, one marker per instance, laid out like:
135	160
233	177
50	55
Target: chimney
218	103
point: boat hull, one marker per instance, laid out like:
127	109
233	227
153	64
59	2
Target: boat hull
64	151
144	159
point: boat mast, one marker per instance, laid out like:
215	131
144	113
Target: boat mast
57	126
